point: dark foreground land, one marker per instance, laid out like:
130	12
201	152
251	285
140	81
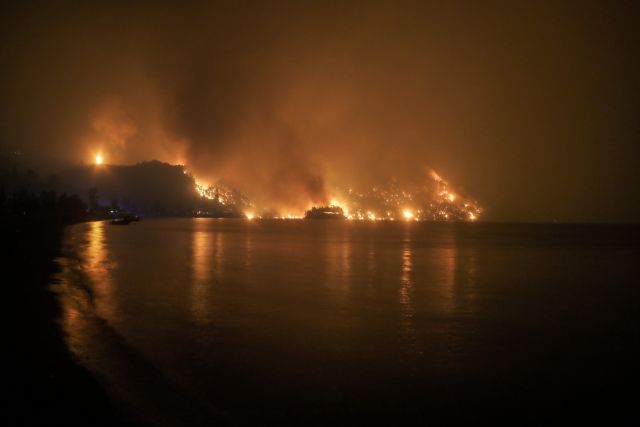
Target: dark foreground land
49	388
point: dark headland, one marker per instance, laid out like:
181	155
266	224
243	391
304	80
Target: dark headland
47	385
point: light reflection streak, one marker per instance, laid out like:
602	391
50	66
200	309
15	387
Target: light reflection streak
339	265
371	266
85	285
465	282
446	265
206	268
201	264
345	259
98	266
218	257
407	309
248	249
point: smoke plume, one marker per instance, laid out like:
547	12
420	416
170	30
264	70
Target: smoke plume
289	101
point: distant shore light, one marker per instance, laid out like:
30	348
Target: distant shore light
99	159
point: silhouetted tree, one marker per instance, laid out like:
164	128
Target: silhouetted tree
52	181
92	198
48	200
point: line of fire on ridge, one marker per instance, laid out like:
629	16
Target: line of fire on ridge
432	200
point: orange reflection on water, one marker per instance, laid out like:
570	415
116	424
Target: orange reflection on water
85	284
95	253
338	256
98	266
345	260
446	262
407	309
207	265
201	261
405	279
201	264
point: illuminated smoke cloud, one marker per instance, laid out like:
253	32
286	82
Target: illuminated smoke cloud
289	103
112	125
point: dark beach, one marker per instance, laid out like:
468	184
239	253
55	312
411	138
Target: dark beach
48	386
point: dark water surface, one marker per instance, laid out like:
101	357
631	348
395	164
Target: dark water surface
189	321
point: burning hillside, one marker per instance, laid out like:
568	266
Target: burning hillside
430	200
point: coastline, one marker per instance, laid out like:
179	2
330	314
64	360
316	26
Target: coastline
49	386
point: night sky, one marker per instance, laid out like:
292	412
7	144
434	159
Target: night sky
531	107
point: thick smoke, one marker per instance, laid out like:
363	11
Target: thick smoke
288	101
113	126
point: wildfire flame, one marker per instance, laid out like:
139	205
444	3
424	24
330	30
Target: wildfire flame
432	200
408	214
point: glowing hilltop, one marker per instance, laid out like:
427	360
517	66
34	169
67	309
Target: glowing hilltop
430	200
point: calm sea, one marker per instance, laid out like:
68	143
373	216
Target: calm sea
196	321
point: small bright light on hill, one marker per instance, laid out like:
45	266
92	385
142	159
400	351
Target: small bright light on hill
99	159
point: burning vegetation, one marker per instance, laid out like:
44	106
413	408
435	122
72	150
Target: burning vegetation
431	200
